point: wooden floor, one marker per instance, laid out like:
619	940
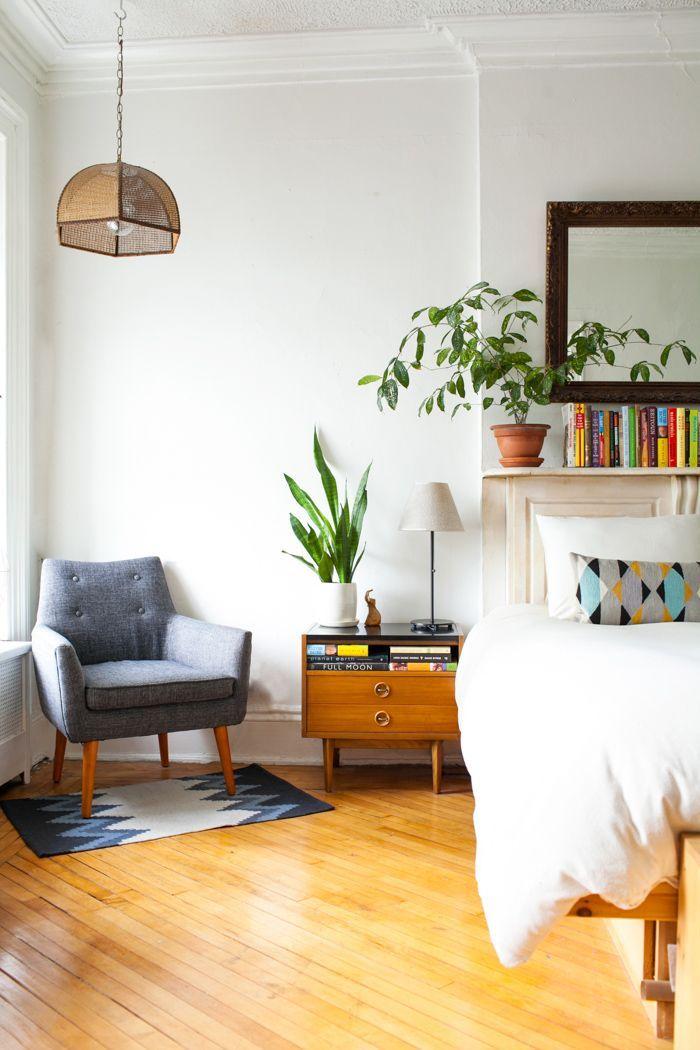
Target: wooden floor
357	928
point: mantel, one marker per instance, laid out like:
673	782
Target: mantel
513	558
592	472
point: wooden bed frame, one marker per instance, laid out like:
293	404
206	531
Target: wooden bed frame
513	572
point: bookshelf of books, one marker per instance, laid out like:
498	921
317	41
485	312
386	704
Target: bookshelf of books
631	437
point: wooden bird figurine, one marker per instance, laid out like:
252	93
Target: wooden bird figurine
374	617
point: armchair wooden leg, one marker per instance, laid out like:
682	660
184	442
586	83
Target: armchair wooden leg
221	734
163	745
89	760
58	756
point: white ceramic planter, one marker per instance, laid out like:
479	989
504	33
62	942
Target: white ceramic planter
337	605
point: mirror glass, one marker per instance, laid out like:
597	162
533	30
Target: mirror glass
646	277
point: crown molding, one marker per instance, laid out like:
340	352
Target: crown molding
576	39
442	47
271	59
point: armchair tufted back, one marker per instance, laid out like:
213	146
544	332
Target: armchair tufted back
108	610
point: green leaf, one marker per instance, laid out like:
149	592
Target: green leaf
436	315
457	339
328	481
524	295
664	355
368	379
429	405
306	503
314	568
487	402
401	373
391	393
417	313
642	333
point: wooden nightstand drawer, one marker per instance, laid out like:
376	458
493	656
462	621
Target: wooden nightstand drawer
364	687
382	718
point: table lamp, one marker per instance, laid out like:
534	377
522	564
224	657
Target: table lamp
431	508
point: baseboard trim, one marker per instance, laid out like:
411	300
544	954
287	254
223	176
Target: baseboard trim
388	757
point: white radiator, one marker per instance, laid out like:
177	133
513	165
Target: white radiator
15	720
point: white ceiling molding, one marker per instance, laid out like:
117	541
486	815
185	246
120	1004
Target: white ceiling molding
443	46
635	38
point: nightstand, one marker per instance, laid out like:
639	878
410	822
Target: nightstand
379	707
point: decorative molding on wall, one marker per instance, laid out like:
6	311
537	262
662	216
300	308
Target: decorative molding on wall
445	46
14	131
629	38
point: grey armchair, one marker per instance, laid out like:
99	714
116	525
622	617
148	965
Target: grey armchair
113	659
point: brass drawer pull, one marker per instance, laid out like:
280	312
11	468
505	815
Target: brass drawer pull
382	718
382	689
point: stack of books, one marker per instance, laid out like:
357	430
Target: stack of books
630	436
346	657
352	656
421	658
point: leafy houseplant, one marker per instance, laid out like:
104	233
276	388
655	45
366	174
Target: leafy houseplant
331	540
475	361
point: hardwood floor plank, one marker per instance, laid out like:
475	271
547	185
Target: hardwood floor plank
356	928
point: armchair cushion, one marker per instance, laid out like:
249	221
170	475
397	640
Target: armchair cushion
148	683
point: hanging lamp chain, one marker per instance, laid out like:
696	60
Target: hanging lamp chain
120	16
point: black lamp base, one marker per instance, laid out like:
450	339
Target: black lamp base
431	626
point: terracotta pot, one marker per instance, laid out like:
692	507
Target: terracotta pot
520	444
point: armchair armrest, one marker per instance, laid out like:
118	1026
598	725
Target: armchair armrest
210	647
59	678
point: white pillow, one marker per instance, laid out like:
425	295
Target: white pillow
673	537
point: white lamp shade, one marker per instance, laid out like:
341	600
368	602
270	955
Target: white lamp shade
431	508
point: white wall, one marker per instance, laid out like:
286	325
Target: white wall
176	390
572	133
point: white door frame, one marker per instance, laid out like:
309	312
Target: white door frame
14	130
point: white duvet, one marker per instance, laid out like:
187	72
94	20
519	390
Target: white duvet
583	743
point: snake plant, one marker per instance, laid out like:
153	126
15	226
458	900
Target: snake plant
331	540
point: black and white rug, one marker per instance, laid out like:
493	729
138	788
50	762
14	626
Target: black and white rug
154	810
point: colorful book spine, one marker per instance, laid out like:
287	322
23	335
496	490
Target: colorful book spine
348	665
682	454
644	436
632	430
606	439
421	658
673	437
653	437
570	435
587	438
625	446
377	661
353	650
616	432
430	650
410	665
693	443
662	437
580	424
595	438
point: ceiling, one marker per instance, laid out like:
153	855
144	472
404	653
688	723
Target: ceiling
78	22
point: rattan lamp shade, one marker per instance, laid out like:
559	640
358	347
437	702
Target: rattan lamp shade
120	210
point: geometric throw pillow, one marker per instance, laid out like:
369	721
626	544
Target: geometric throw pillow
610	591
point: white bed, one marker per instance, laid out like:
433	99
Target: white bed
583	743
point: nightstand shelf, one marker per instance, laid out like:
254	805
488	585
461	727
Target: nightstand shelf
379	708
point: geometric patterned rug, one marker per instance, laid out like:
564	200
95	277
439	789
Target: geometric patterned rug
137	812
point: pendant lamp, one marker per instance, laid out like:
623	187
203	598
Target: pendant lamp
118	209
